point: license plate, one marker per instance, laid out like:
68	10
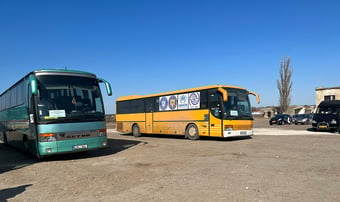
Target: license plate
243	132
322	126
83	146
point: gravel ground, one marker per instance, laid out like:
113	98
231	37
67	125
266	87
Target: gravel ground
279	163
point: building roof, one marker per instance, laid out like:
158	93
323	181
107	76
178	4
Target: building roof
327	88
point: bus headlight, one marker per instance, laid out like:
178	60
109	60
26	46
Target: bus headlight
102	132
228	127
47	137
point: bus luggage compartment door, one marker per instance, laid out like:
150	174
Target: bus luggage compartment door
149	122
215	126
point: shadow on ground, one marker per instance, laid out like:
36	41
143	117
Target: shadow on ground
6	194
181	137
11	158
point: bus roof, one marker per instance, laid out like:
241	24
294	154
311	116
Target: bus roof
62	71
132	97
52	71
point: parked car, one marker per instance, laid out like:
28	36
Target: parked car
281	119
302	119
327	116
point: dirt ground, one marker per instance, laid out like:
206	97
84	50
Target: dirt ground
274	167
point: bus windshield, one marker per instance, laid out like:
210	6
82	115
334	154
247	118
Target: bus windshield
238	105
68	99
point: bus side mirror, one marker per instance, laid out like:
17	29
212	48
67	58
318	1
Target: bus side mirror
224	94
107	86
34	85
258	100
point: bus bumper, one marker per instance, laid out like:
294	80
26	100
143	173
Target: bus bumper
70	146
237	133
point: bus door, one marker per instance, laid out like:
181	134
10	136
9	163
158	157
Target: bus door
32	116
215	115
149	106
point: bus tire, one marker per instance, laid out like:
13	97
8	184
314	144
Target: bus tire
136	130
192	132
25	144
5	138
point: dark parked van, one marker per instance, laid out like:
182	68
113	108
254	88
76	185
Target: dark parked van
327	116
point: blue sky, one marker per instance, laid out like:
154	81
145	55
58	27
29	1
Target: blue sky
152	46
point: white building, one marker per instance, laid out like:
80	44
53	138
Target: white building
322	94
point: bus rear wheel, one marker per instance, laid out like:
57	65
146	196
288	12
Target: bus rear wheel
192	132
136	131
5	138
25	144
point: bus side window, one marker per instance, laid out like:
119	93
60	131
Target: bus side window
215	104
156	104
149	105
123	107
29	100
204	99
137	106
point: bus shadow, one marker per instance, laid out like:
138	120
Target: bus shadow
202	138
157	136
229	139
113	146
12	159
6	194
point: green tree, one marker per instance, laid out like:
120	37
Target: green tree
284	84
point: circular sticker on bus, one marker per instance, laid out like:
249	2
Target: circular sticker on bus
163	103
183	98
194	100
173	102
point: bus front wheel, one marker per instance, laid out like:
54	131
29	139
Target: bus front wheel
192	132
136	131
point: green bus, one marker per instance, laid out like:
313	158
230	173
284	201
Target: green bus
54	111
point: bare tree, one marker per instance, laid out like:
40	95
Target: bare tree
284	84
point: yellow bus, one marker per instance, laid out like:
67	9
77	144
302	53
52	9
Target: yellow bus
215	111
